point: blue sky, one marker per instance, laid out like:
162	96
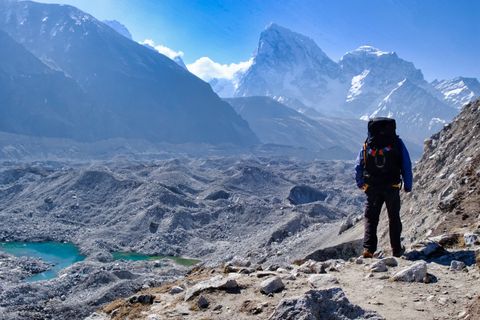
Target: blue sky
442	37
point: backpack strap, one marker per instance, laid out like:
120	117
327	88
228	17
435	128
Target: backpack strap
365	154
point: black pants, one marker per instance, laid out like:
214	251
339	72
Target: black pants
375	198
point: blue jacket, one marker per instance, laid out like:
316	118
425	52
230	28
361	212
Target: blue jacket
406	170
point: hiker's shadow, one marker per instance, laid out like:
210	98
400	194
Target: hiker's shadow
444	257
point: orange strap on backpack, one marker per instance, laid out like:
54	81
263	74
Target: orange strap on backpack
365	155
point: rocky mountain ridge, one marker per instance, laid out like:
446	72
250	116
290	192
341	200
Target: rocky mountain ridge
447	179
137	93
458	91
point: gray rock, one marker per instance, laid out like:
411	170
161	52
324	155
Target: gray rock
176	290
202	302
305	194
271	285
415	273
239	262
215	283
379	266
471	239
311	266
124	274
390	261
448	239
142	299
321	304
457	265
359	260
431	248
347	224
322	281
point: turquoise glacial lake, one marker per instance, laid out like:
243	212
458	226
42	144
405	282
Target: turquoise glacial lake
59	254
62	255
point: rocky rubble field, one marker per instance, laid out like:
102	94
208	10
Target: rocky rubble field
207	209
430	282
210	209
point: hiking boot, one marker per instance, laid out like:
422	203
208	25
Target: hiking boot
398	253
367	254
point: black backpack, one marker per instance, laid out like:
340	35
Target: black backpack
381	153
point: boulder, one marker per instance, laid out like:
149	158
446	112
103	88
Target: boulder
390	261
448	239
142	299
202	302
215	283
457	265
347	224
305	194
271	285
321	304
415	273
125	274
176	290
239	262
311	266
471	239
379	266
431	249
322	281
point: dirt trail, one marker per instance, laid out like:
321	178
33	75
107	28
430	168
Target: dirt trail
450	295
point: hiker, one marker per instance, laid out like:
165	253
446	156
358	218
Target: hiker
382	165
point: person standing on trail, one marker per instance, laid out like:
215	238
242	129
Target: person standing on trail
381	166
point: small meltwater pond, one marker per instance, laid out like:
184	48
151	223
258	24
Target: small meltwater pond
62	255
59	254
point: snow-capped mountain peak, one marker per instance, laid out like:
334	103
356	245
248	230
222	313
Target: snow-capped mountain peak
369	50
417	111
374	74
281	45
458	91
289	64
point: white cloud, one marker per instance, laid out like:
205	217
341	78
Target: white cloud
172	54
207	69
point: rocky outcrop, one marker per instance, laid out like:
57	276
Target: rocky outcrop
305	194
446	195
216	283
321	304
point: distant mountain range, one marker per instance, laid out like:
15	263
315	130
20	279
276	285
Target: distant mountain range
275	123
366	82
458	91
65	74
89	82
